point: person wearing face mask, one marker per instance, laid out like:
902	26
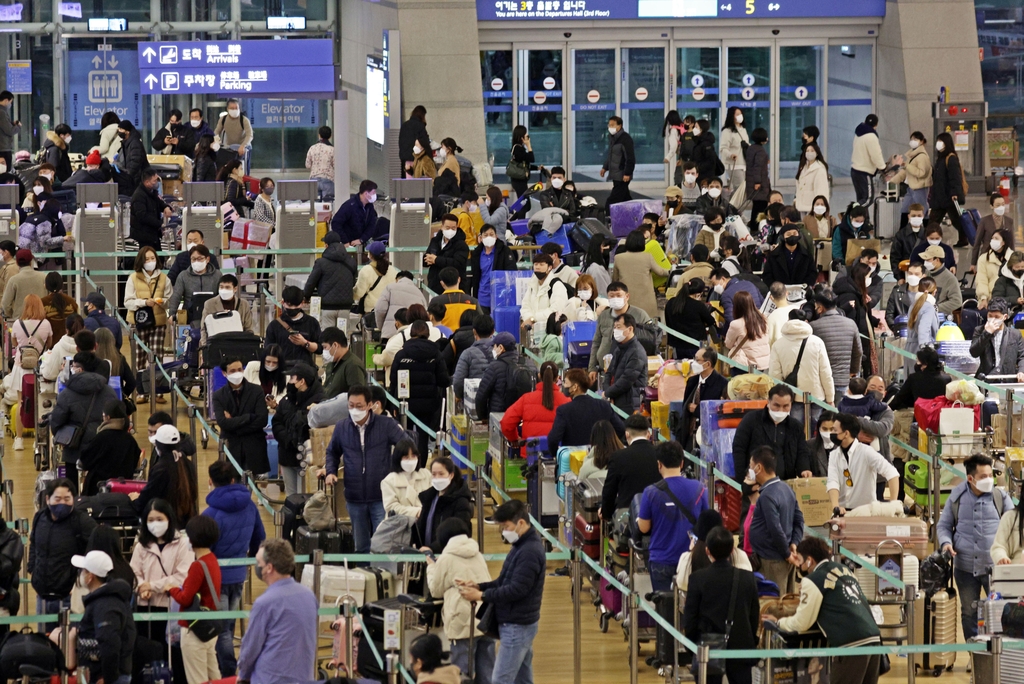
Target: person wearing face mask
148	211
200	277
56	148
59	531
705	155
831	596
626	376
227	299
689	189
290	422
619	162
990	263
232	175
356	220
80	405
672	131
819	222
704	384
402	487
234	129
949	188
968	529
192	132
637	268
412	134
710	235
182	262
948	297
490	256
999	347
167	138
852	225
867	159
447	248
853	468
773	426
496	391
148	288
734	142
107	621
296	333
811	178
363	442
263	206
869	257
320	162
241	412
1010	284
778	524
132	158
521	160
342	369
821	444
933	238
586	305
916	171
424	165
449	173
990	225
557	195
204	168
714	199
113	453
545	294
790	264
907	239
727	287
447	497
596	262
902	297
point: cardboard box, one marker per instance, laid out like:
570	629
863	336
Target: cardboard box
320	438
813	500
659	417
999	431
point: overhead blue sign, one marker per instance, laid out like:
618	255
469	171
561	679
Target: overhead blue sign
19	76
101	81
283	113
562	10
238	67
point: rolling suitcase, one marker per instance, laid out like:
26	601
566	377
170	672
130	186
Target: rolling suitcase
664	652
542	494
122	486
116	511
586	499
222	322
335	583
730	413
244	346
940	621
589	535
728	502
379	584
564	465
862	535
587	229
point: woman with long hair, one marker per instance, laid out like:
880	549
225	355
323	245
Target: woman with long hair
852	295
747	337
991	261
160	561
923	321
596	263
672	131
31	330
268	373
204	170
493	211
522	154
448	497
106	539
374	277
688	314
110	142
402	487
757	175
948	186
916	172
533	414
53	363
149	289
58	305
587	305
107	350
603	443
232	175
171	477
113	453
636	268
449	162
732	152
811	178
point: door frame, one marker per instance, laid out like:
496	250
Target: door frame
667	90
521	117
568	102
790	183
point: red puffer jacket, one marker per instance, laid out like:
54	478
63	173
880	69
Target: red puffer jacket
529	411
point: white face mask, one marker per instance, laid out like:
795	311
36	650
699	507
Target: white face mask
696	131
986	485
195	124
719	289
448	234
150	266
47	175
715	193
995	244
913	280
867	282
998	211
612	131
778	416
234	113
372	197
939	146
916	221
215	145
189	246
327	355
357	415
826	440
152	440
934	241
236	378
738	119
226	293
495	352
819	210
67	139
409	464
37	189
691	178
811	155
440	483
416	149
511	536
199	266
696	367
914	144
619	334
857	226
584	295
489	241
3	168
751	475
930	266
158	528
617	303
557	183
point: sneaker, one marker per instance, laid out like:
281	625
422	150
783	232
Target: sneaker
489	520
160	399
19	444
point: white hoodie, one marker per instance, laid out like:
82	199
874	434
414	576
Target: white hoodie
815	375
461	559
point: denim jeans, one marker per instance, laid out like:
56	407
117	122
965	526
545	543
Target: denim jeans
483	665
365	518
48	607
292	479
514	664
970	589
231	595
662	575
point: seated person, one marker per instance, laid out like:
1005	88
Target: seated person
96	170
557	196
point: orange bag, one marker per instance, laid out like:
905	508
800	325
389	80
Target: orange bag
732	412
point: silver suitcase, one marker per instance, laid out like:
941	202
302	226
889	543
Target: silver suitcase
587	498
887	220
990	615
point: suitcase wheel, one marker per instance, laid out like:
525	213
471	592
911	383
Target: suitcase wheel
606	618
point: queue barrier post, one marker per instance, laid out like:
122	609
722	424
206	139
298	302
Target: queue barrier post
1009	417
22	528
8	499
392	667
703	653
807	416
634	622
193	411
995	647
279	523
64	621
403	407
152	382
479	487
576	570
910	595
348	609
174	406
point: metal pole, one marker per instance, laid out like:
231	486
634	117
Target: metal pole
9	500
1009	417
65	638
152	382
807	416
318	561
279	523
23	530
480	507
174	406
403	409
193	411
935	482
677	676
634	619
910	596
348	609
392	667
577	621
703	653
995	647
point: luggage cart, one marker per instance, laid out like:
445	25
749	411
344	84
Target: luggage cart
639	581
202	211
43	405
953	450
790	669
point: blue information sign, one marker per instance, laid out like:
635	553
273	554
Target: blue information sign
19	76
277	113
236	53
239	82
100	81
505	10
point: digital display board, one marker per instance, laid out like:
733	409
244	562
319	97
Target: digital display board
506	10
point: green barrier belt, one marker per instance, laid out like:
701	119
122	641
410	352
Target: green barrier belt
848	651
332	611
927	457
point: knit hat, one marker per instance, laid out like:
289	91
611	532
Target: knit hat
331	238
93	159
23	257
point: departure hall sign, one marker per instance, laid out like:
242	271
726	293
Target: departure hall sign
504	10
237	67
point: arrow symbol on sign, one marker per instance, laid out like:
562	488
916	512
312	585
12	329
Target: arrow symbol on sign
727	8
150	80
96	61
772	8
149	53
112	61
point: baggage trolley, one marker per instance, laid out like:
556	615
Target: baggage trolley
791	669
639	581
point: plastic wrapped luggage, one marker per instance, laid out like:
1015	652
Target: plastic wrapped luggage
1008	580
507	319
862	535
990	615
335	582
564	465
587	499
730	413
559	237
627	216
577	342
588	536
122	486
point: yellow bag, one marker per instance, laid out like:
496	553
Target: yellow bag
576	459
750	386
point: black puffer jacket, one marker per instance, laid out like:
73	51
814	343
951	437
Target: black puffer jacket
490	395
205	168
11	552
333	276
73	408
947	181
705	155
627	375
428	378
51	545
133	161
455	504
289	423
108	620
55	152
454	254
147	222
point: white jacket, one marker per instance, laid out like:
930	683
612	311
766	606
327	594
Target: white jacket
738	559
777	319
989	264
461	559
538	305
401	492
53	360
813	181
867	154
815	375
731	145
671	145
577	310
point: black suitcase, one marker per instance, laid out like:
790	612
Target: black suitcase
115	510
29	648
245	346
292	510
427	609
586	229
664	603
306	541
346	540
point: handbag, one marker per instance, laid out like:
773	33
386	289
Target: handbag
205	630
487	614
71	436
793	375
360	306
517	170
145	317
718	642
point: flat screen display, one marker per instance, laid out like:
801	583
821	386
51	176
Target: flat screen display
517	10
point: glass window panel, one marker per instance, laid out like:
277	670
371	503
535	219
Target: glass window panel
749	85
540	106
132	10
496	71
643	108
801	99
850	81
593	104
698	89
257	10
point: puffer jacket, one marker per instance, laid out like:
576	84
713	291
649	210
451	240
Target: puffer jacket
162	568
460	559
472	364
12	550
205	168
36	234
705	156
1007	287
898	305
842	343
72	408
528	410
947	181
917	169
989	265
541	299
400	294
367	457
333	277
51	545
290	424
732	146
867	151
55	152
1006	545
813	181
627	375
402	492
451	504
446	674
518	591
188	282
815	374
490	395
903	244
428	378
241	529
108	620
133	161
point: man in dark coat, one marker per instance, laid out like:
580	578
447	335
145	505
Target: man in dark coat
190	134
575	420
789	264
631	470
413	131
620	162
58	532
996	335
290	426
419	375
333	276
356	220
492	395
96	170
773	427
447	248
627	373
241	411
55	149
108	618
705	384
132	157
148	211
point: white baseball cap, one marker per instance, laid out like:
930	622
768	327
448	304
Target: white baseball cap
96	562
167	434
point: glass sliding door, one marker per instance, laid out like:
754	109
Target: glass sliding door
850	100
540	103
801	102
593	101
643	108
496	70
698	89
748	75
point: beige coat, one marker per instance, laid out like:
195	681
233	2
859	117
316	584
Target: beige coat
461	559
162	569
813	181
989	264
216	305
143	286
754	352
1007	541
709	238
27	281
917	170
401	492
7	271
637	270
815	375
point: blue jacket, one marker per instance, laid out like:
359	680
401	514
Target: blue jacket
518	591
354	221
101	319
778	521
736	285
365	467
241	530
976	525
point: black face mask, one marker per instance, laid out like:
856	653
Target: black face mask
1018	274
291	313
793	240
122	136
715	226
672	203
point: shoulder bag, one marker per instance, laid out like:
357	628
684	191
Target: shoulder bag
145	318
719	642
793	375
360	306
205	630
517	170
71	436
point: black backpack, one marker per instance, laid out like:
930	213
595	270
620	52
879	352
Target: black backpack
519	380
649	336
570	291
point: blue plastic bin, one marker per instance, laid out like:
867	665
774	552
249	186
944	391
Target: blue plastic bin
506	319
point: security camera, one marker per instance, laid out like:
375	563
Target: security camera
775	32
567	34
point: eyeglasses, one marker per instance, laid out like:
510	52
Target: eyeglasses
849	480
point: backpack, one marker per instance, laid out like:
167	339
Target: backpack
29	353
570	291
719	167
519	380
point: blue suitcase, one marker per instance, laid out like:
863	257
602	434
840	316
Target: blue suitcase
560	237
578	337
507	319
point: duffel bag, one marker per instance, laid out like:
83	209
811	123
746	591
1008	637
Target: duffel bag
29	648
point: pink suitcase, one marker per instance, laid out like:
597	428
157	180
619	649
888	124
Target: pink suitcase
122	486
862	535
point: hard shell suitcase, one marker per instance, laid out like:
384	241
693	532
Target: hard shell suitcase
116	511
244	346
990	615
728	502
862	535
589	536
542	494
122	486
917	482
941	618
587	229
335	583
222	322
730	413
380	584
564	465
587	499
664	603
